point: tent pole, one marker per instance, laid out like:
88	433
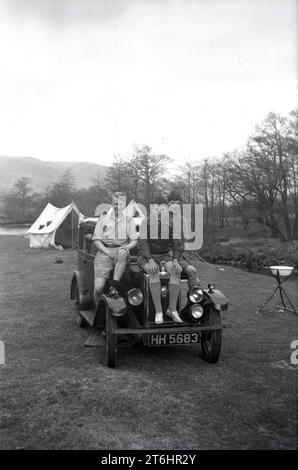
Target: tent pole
71	228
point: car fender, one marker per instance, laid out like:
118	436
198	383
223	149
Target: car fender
79	279
116	307
218	299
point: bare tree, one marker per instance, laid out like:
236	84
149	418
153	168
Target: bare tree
147	168
23	190
267	164
293	155
61	193
117	176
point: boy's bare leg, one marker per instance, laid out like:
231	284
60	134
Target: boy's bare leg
192	277
99	285
120	266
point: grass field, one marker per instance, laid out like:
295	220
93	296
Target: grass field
57	394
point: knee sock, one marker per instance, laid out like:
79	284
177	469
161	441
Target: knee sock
174	291
155	289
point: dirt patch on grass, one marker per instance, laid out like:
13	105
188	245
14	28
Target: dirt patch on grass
56	394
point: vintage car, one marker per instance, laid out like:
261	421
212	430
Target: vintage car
130	318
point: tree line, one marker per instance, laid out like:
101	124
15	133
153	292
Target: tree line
22	204
257	183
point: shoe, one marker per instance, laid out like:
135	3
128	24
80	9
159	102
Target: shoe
113	293
158	317
174	315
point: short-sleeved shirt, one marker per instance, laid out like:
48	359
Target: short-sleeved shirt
115	231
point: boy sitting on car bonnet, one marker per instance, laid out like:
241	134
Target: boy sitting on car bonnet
115	235
188	270
152	251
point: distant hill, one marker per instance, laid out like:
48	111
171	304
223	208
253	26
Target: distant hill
44	173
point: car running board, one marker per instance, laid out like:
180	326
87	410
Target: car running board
88	316
95	340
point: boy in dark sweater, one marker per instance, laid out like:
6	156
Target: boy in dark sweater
188	270
153	249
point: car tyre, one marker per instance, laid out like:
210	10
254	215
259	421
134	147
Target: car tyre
211	340
80	321
111	340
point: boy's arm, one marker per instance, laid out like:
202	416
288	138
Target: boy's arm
100	246
143	239
132	235
177	244
177	249
97	238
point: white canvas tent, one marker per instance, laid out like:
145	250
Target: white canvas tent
55	227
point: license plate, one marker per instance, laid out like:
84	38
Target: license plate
164	339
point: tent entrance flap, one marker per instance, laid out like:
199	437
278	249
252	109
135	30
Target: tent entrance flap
67	232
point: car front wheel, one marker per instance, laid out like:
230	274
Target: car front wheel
211	340
111	340
78	319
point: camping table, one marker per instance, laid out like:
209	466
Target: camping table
282	294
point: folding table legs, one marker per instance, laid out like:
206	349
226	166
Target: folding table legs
282	293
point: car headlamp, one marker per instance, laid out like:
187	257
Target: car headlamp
135	297
195	295
197	311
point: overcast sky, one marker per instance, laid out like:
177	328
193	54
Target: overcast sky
81	80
